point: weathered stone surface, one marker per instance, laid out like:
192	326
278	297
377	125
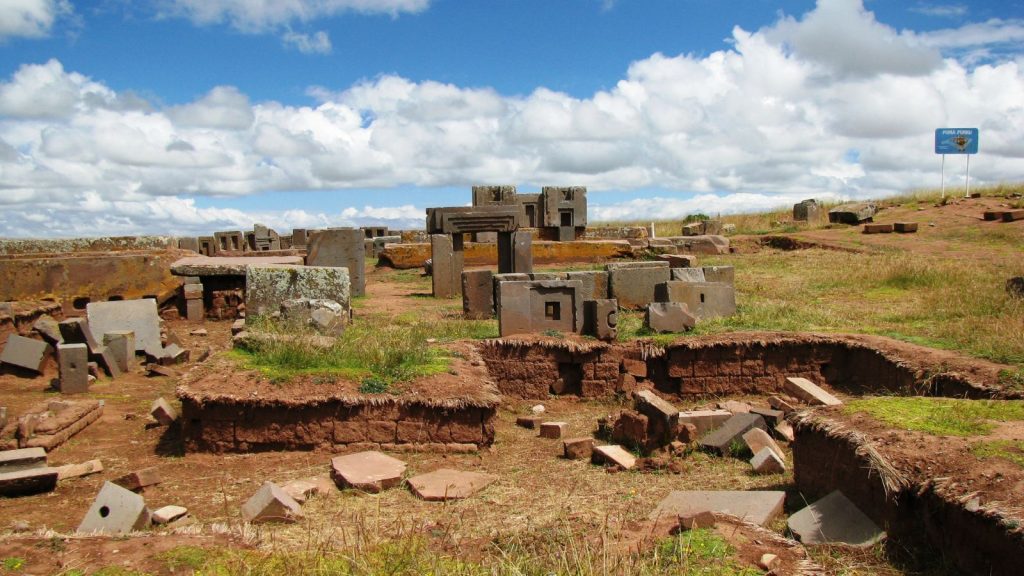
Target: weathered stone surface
115	511
704	244
76	470
757	439
73	362
77	331
553	430
536	306
630	428
905	227
515	252
766	461
679	260
653	406
669	317
121	344
340	247
807	211
614	455
734	407
192	291
810	392
169	514
195	311
704	300
446	263
633	284
138	316
578	448
26	353
1013	215
267	286
139	479
781	404
48	328
163	412
688	275
853	213
478	294
601	319
22	459
834	519
28	481
705	420
593	283
758	507
771	417
367	471
325	316
204	266
878	228
237	326
722	439
784	431
271	504
447	484
720	274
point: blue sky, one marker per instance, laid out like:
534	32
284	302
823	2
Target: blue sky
185	116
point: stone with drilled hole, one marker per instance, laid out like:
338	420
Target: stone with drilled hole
115	511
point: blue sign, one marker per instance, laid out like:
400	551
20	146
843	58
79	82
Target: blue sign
956	141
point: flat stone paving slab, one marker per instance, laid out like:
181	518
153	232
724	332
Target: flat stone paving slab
22	459
225	265
758	507
28	481
448	484
834	519
138	316
367	471
614	454
721	439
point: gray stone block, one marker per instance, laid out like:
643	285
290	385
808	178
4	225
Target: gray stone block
478	294
48	328
194	310
806	210
668	317
688	275
515	252
834	519
27	353
267	286
853	213
704	300
809	392
121	344
633	284
758	507
115	511
73	361
271	504
601	319
340	247
22	459
446	265
138	316
163	412
722	274
594	284
536	306
723	439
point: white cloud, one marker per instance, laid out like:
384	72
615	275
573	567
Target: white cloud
991	32
268	15
316	43
761	124
940	10
30	18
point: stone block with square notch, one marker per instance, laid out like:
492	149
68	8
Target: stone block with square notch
704	300
537	306
564	206
27	353
115	510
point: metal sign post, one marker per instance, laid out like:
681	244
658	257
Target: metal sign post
956	141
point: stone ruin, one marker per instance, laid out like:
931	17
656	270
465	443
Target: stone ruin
560	212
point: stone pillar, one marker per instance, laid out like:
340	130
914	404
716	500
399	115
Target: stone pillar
446	258
478	294
73	360
340	247
515	252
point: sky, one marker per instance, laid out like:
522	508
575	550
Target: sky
181	117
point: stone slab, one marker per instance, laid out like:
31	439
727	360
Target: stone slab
121	344
27	353
267	286
669	317
721	440
203	266
22	459
704	420
48	328
168	514
271	504
76	470
138	316
578	448
553	430
163	412
766	461
115	511
688	275
834	519
633	283
28	481
367	471
654	406
601	318
757	507
77	331
448	484
73	362
539	305
477	294
810	392
593	283
1013	215
757	439
878	228
139	479
614	454
703	300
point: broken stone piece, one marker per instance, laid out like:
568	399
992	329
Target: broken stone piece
697	520
158	370
757	438
734	407
447	484
669	317
76	470
724	439
769	562
199	332
271	504
758	507
834	519
115	511
784	430
26	353
705	420
367	471
615	455
121	344
169	514
578	448
529	422
766	461
139	479
73	363
238	326
28	481
22	459
810	392
781	404
162	412
553	430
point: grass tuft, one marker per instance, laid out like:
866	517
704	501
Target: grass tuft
1012	450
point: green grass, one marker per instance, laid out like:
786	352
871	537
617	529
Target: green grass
12	564
185	557
1012	450
939	416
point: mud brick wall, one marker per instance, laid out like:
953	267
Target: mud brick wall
230	427
536	372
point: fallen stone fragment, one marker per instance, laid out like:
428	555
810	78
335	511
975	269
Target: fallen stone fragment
697	520
766	461
48	328
734	407
139	479
771	416
723	440
758	507
538	409
615	455
784	430
529	422
158	370
238	326
878	228
139	316
169	514
578	448
199	332
834	519
121	344
669	317
367	471
1013	215
115	511
300	490
271	504
705	420
810	392
446	484
22	459
905	227
27	353
162	412
28	481
769	562
781	404
76	470
757	439
553	430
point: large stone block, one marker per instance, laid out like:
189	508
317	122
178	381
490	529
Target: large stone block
478	294
267	286
704	244
446	484
853	213
633	284
28	481
601	319
77	331
22	459
704	300
807	211
367	471
26	353
564	206
494	195
446	265
536	306
515	252
73	361
121	344
340	248
115	510
834	519
229	241
669	317
757	507
138	316
722	274
594	283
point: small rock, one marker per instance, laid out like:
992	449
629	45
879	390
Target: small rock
578	448
735	407
769	562
553	430
530	422
169	514
20	526
538	409
199	332
697	520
